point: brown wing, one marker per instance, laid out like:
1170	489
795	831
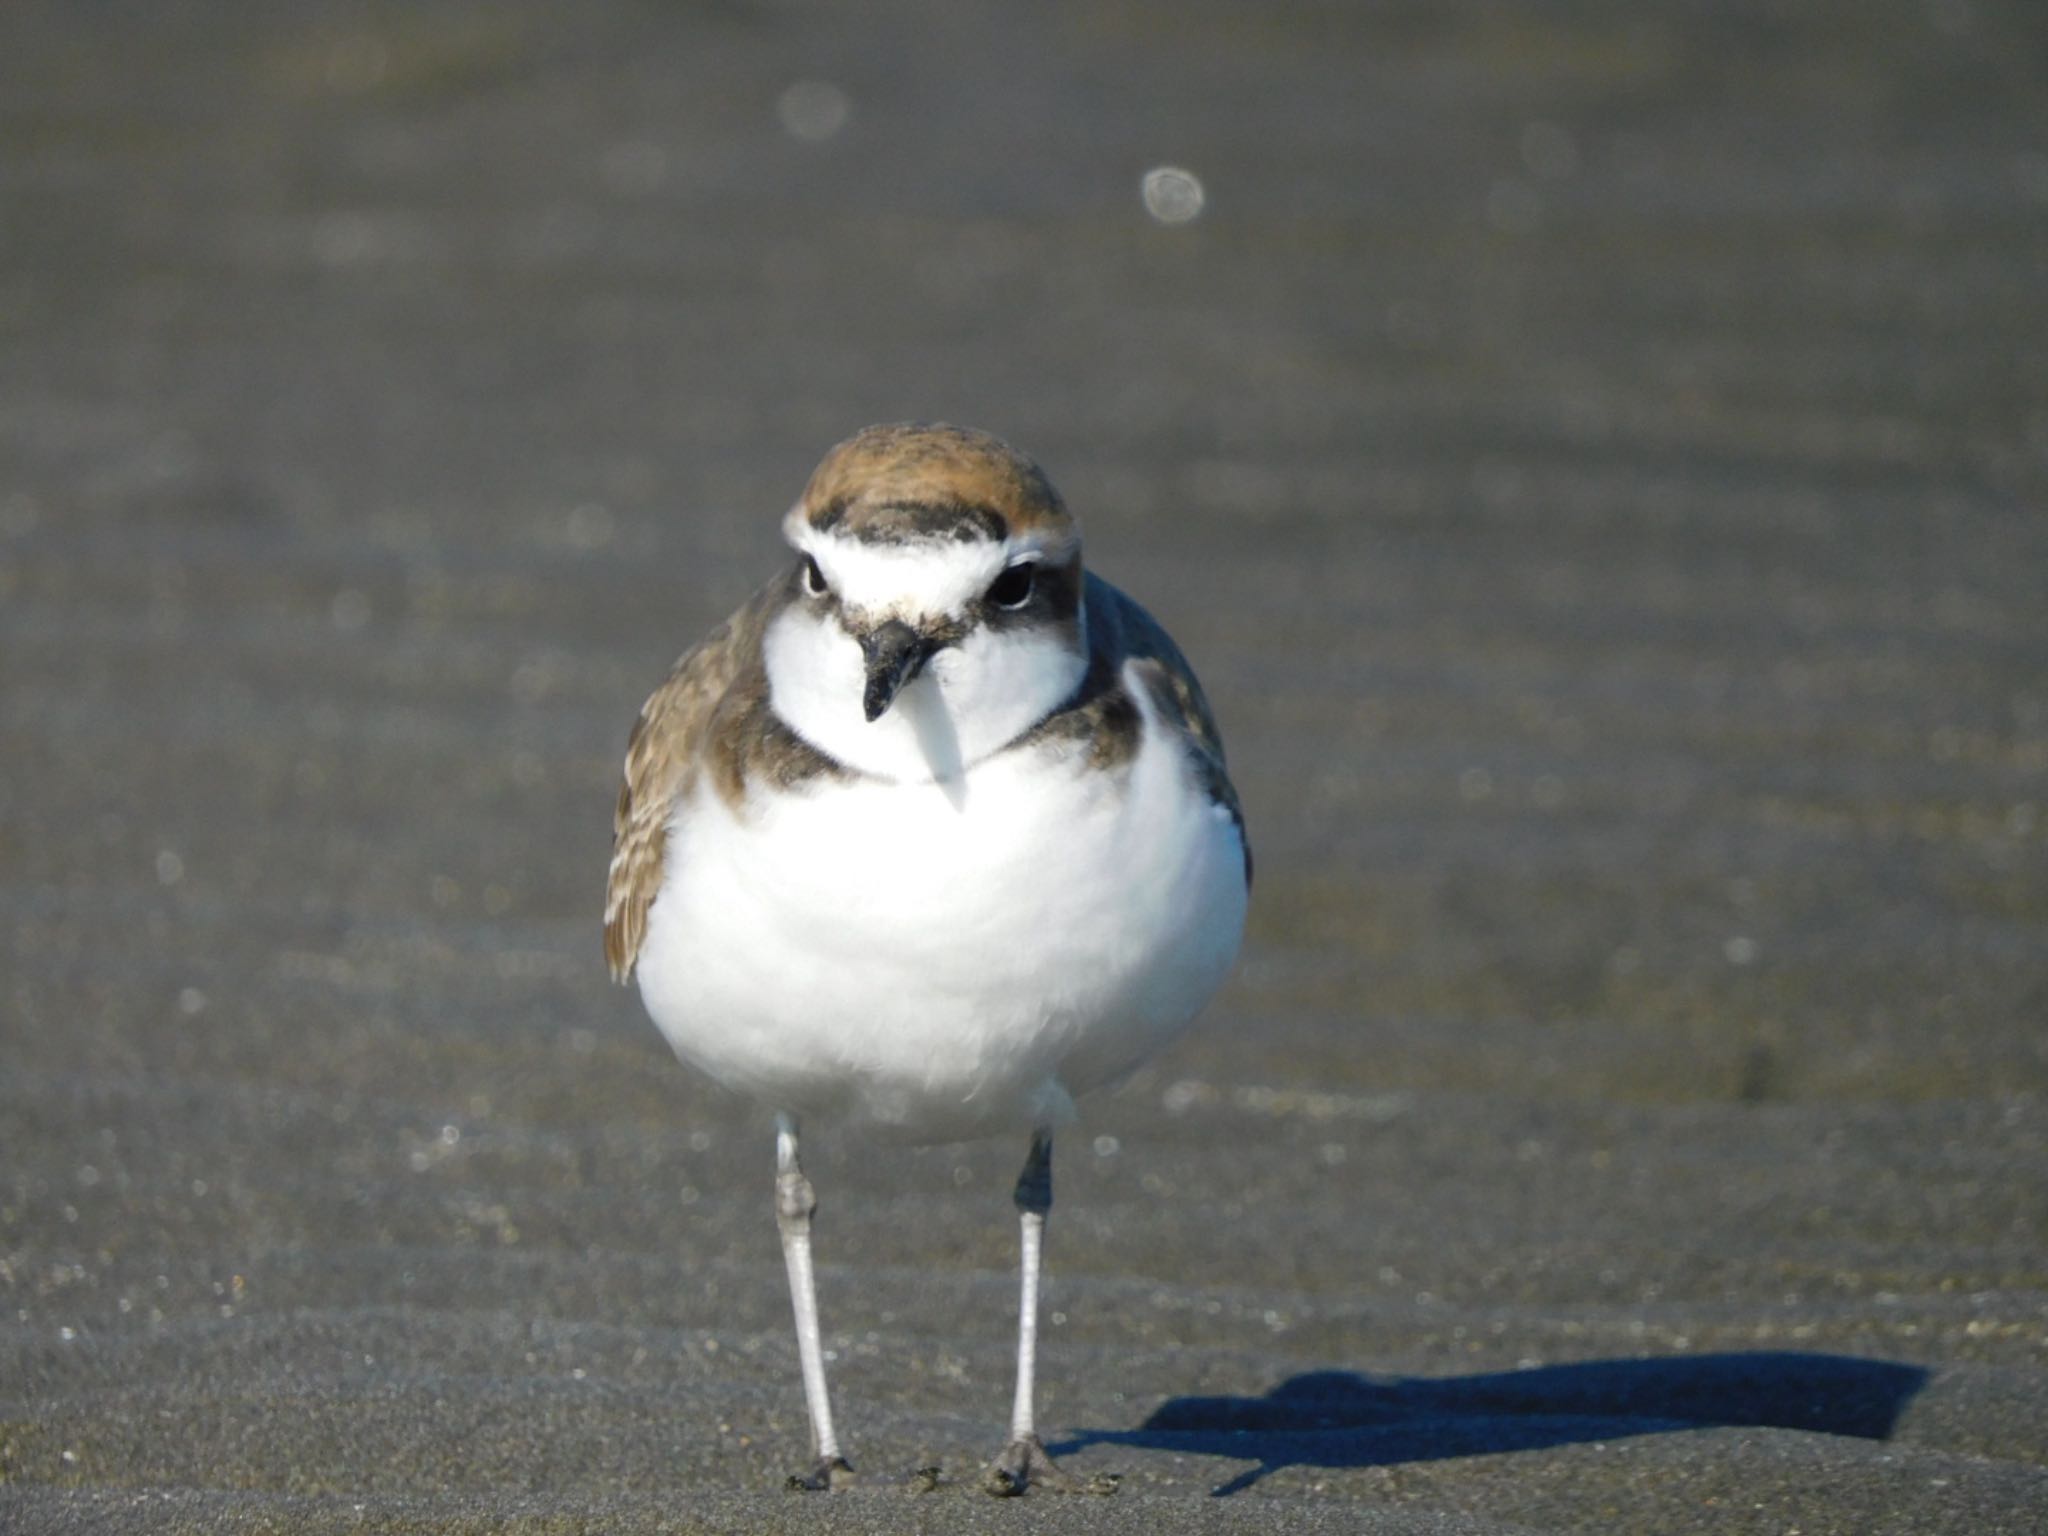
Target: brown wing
1120	631
664	755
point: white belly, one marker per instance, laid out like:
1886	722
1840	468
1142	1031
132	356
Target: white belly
946	964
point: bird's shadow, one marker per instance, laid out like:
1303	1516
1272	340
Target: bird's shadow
1344	1419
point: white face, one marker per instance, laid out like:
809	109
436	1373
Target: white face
987	685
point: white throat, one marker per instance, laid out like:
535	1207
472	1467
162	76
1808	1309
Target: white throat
972	699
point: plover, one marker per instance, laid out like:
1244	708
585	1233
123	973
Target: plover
933	834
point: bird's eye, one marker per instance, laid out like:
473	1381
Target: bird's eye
1012	589
814	579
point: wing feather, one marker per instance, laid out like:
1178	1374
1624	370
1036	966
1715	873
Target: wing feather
664	755
1122	631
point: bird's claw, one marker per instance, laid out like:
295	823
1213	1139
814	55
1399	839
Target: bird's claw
830	1475
1025	1464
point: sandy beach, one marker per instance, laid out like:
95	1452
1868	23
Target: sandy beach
1597	458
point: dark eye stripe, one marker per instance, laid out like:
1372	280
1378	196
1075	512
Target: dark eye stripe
1012	589
1055	596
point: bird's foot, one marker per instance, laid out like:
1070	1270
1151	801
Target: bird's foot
1025	1464
830	1475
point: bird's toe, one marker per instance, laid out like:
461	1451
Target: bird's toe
830	1474
1025	1464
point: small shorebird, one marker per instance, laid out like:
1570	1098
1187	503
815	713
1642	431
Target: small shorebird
933	834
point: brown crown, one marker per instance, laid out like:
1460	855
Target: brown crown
928	480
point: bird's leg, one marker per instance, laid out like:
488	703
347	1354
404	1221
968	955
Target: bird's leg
794	1202
1024	1461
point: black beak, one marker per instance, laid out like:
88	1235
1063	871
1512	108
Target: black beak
895	654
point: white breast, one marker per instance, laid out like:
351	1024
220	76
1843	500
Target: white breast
947	959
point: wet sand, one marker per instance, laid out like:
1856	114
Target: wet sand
1596	458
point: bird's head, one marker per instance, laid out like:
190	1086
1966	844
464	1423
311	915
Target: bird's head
935	607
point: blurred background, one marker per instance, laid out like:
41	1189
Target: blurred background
1594	454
